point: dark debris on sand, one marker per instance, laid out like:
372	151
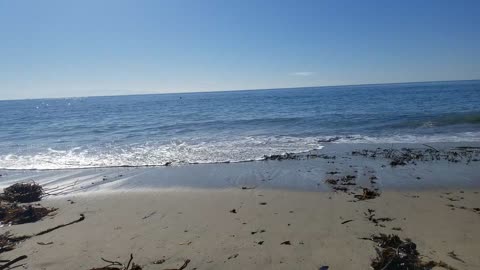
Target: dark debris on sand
185	264
347	180
340	184
331	181
23	193
454	256
12	213
404	156
9	241
295	156
474	210
394	253
367	194
114	265
343	189
9	264
343	183
370	215
12	209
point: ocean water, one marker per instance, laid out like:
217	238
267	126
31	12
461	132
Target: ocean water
149	130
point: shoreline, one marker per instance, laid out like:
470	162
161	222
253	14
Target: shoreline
304	211
304	171
331	143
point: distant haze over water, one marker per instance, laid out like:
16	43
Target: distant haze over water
230	126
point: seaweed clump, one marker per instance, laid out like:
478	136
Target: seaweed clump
394	253
405	156
13	212
23	193
377	221
297	156
367	194
19	214
341	183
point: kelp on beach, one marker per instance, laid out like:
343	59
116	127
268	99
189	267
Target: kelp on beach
12	208
23	193
404	156
394	253
13	213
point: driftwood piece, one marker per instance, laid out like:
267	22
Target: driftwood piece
185	264
149	215
12	262
8	241
347	221
454	256
81	218
113	265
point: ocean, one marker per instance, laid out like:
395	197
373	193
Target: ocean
160	129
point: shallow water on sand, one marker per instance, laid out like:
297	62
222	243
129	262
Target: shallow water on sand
300	173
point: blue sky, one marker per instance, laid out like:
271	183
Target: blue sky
83	48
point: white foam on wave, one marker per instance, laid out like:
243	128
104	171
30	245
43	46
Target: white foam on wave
187	152
155	154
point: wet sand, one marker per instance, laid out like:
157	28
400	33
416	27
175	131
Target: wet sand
185	212
300	173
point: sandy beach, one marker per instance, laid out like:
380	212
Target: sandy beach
239	135
244	225
197	224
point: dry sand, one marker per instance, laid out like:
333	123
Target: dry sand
196	224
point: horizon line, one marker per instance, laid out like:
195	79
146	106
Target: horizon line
238	90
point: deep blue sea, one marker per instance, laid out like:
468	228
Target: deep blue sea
230	126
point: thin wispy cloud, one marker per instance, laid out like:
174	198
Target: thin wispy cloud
302	73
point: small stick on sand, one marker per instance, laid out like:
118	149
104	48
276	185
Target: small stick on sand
8	264
347	221
82	217
183	266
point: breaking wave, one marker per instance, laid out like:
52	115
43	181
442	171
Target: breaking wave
182	152
154	154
